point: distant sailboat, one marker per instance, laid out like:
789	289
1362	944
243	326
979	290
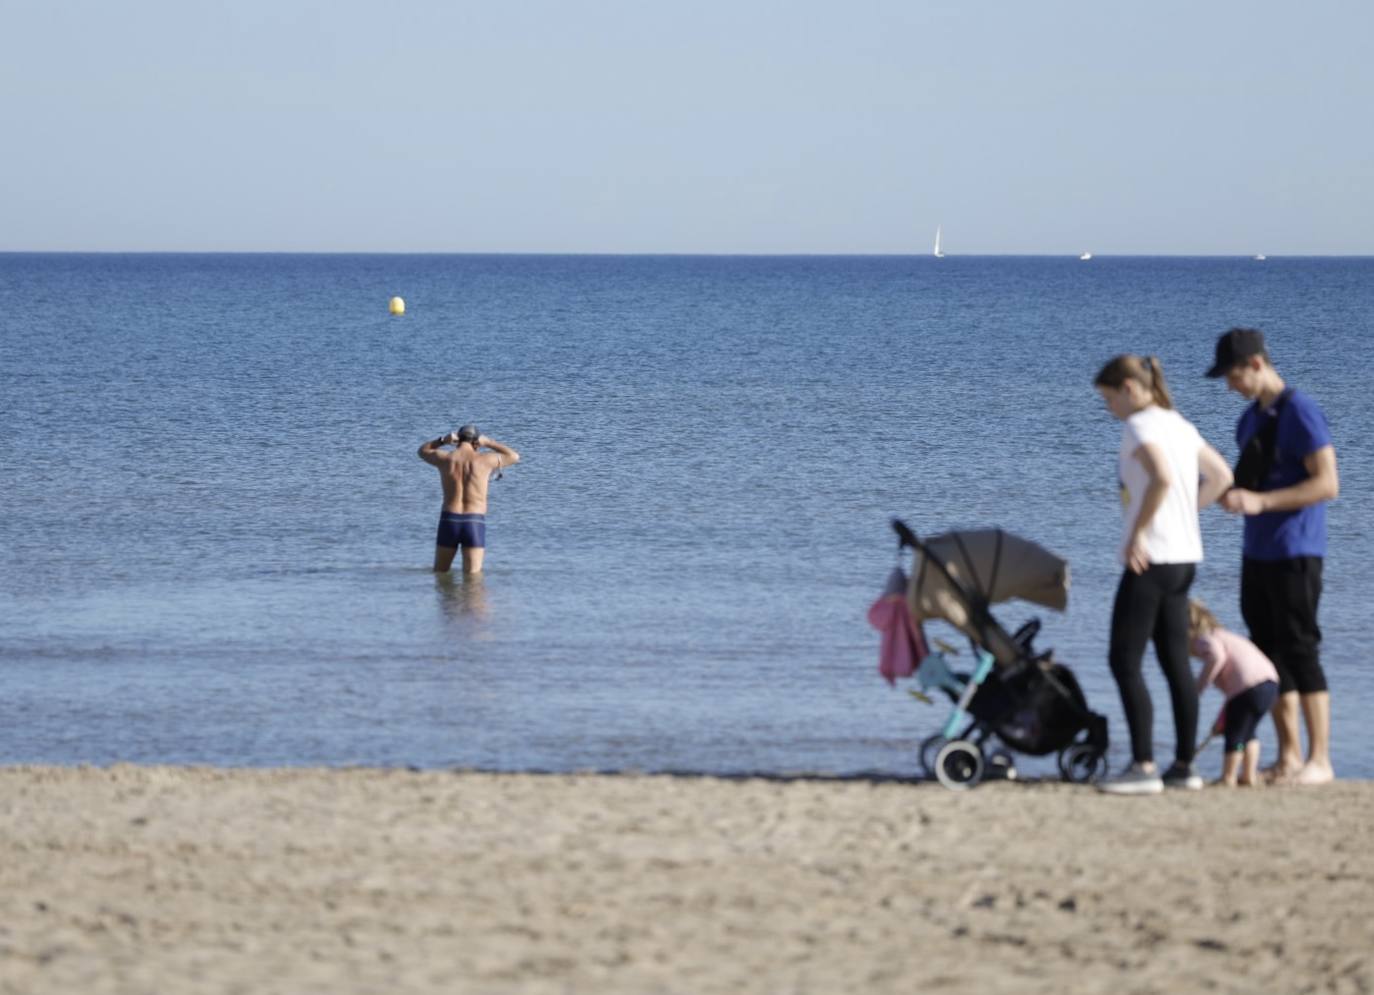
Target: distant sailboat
939	253
1260	258
1086	255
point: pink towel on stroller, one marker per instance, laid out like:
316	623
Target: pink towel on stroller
903	645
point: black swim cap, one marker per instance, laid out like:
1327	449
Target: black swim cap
469	433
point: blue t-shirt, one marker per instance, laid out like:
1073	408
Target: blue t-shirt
1283	535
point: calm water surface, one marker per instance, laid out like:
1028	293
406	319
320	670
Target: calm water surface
215	532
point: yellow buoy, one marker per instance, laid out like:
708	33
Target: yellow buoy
398	306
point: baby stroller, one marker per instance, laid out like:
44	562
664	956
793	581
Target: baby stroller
1029	702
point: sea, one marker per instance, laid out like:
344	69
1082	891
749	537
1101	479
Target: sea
216	536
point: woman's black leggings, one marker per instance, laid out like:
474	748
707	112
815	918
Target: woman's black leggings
1154	606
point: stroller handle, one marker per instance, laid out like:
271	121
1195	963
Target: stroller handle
905	537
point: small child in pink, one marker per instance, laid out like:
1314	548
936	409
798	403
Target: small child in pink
1247	678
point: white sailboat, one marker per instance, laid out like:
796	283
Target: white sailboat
1086	255
1260	258
939	253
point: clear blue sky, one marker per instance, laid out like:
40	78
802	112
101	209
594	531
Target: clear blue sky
644	126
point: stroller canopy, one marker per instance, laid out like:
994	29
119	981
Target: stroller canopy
982	567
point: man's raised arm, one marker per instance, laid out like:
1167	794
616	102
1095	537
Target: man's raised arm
429	452
507	455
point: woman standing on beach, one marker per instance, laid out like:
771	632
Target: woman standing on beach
1167	472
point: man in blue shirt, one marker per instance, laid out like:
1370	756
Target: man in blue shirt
1286	474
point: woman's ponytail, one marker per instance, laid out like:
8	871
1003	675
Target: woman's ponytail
1158	388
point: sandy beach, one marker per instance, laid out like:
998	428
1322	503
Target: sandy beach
160	879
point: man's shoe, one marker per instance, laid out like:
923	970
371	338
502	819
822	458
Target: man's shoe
1134	780
1183	776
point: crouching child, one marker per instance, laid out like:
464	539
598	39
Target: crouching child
1249	681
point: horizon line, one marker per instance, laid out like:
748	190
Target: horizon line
671	254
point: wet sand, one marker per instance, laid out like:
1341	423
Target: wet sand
133	879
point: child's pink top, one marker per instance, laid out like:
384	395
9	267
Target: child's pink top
1231	662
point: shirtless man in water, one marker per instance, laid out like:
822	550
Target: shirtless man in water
464	472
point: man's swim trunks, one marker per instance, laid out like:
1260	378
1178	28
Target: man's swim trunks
461	530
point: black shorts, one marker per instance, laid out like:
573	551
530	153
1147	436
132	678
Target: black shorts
1278	599
467	530
1244	712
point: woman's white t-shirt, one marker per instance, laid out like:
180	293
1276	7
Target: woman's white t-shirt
1173	535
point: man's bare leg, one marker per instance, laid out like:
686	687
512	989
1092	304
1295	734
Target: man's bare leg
1316	711
472	559
474	595
1288	764
443	558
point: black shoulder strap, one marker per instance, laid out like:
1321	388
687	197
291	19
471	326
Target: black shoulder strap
1258	455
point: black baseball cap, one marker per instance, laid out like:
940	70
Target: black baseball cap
1235	346
469	433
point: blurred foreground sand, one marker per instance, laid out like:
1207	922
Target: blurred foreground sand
158	879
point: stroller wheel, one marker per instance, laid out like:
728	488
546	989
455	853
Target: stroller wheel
930	749
1081	763
1000	764
959	765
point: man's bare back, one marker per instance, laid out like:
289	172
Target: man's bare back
464	472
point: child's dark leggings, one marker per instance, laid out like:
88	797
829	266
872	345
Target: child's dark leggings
1154	606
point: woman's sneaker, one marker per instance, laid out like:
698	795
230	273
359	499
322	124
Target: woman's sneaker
1183	776
1134	780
